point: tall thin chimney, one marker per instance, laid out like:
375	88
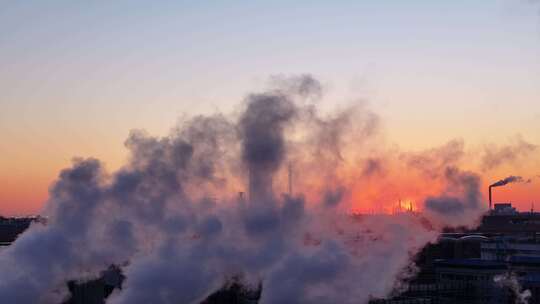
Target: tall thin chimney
489	197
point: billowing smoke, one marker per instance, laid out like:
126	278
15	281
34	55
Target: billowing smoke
461	202
263	143
305	86
172	220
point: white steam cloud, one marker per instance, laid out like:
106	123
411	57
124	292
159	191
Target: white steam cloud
172	220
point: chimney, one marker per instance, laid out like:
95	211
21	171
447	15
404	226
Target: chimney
489	197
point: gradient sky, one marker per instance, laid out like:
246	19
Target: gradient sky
76	76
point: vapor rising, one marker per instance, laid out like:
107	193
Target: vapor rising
172	218
511	282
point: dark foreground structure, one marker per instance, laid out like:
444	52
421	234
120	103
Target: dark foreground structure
11	227
499	262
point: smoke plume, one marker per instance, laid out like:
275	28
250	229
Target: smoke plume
263	143
510	281
461	202
172	218
495	156
434	162
509	180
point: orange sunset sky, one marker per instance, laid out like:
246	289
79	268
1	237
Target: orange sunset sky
76	77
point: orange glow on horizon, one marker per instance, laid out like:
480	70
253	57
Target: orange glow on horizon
26	197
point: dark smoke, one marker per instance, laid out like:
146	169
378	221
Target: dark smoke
509	180
305	86
263	143
333	197
373	166
461	203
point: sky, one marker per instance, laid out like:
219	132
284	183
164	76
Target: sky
77	76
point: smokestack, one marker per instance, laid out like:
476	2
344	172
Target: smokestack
505	181
489	197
